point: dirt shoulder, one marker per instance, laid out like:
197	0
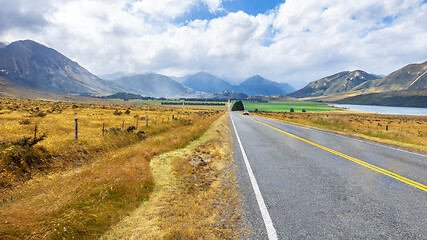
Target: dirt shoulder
195	193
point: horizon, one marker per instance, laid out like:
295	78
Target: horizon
283	41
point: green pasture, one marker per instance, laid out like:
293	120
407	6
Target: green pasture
286	106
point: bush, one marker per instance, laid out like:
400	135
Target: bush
256	110
141	134
238	106
117	113
24	122
303	110
292	110
131	129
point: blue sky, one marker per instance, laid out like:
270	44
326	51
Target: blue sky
296	41
252	7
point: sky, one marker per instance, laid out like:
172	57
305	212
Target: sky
293	41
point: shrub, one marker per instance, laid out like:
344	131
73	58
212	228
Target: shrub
141	134
131	129
292	110
24	122
303	110
117	113
238	106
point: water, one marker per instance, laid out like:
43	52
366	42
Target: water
384	109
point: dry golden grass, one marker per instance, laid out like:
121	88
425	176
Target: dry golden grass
195	195
404	131
66	200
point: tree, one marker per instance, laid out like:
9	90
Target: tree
292	110
238	106
303	110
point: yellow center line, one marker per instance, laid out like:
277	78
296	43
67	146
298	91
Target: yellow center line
370	166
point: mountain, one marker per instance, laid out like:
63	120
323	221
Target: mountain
402	98
155	85
410	77
261	86
230	94
206	82
2	45
287	88
337	83
116	75
35	66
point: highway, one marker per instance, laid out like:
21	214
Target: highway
300	183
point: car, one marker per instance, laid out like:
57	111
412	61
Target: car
245	112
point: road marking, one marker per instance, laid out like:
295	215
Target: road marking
352	138
373	167
271	231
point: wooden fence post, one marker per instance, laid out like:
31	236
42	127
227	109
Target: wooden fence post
146	120
173	117
76	129
103	129
35	132
123	124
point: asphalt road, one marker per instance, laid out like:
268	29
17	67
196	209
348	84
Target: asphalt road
323	192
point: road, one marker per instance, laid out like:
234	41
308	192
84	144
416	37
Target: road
309	184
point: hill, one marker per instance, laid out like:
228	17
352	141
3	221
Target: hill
402	98
258	85
206	82
155	85
230	94
2	44
410	77
35	66
337	83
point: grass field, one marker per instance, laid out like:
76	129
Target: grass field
57	187
286	106
158	103
405	131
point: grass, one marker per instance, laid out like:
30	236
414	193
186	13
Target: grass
158	103
404	131
286	106
91	183
195	196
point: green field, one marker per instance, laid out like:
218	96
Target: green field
286	106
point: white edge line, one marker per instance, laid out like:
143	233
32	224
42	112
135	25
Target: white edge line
271	231
351	138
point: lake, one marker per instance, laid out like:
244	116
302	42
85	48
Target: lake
384	109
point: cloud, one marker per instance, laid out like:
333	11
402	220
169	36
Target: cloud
297	42
22	15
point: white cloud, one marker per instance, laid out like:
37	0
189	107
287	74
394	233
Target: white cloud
298	42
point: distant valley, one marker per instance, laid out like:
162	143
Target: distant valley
29	67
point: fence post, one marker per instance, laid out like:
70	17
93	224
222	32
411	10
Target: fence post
173	117
103	129
35	132
146	120
123	124
76	129
137	120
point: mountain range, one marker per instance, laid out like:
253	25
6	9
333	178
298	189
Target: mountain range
207	82
32	65
352	83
